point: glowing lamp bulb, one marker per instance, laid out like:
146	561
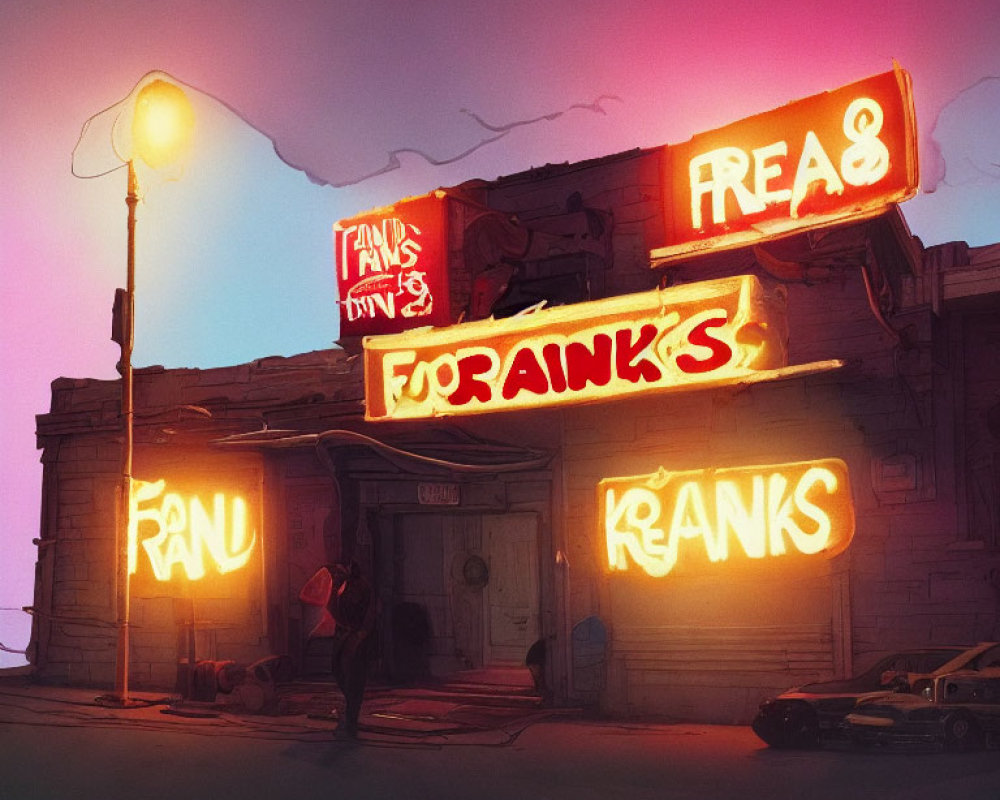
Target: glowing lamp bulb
162	124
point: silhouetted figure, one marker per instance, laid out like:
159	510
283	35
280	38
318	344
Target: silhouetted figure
353	607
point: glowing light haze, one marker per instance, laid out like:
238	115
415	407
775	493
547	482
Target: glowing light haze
372	102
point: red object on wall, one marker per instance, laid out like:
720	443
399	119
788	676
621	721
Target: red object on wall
315	596
392	267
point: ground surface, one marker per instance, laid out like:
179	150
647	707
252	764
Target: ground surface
57	743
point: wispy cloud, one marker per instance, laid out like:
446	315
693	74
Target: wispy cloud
964	140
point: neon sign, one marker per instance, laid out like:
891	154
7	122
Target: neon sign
839	155
185	532
697	334
669	521
391	267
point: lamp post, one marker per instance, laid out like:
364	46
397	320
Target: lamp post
162	122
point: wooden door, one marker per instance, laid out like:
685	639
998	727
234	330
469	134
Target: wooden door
511	596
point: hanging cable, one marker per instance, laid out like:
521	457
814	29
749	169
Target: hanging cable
873	305
404	459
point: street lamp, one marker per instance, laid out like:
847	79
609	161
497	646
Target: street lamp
162	124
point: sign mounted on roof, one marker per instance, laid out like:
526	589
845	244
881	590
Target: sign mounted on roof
844	154
392	271
695	335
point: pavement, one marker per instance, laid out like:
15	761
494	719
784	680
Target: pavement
478	707
464	739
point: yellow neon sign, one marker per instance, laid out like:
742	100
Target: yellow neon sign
186	531
667	520
699	334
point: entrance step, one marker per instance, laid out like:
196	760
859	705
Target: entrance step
461	694
497	686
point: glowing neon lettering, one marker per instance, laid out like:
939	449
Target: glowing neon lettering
636	355
369	299
718	330
524	375
185	532
867	160
847	153
380	248
764	173
713	516
629	525
719	352
588	364
726	169
814	167
387	283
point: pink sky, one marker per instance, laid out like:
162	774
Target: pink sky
235	261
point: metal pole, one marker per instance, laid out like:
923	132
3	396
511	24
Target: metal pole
123	577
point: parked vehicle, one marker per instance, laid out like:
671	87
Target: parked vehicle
806	715
959	709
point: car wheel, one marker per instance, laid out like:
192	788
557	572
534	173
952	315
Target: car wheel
803	729
764	726
808	734
961	732
791	728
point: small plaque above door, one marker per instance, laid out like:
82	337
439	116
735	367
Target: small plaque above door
438	494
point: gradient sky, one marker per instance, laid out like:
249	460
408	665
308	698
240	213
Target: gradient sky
313	111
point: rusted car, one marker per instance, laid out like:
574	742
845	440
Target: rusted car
807	715
958	709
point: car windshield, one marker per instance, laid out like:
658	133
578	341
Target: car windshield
871	680
984	654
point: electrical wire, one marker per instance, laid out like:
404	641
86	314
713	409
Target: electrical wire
873	306
404	459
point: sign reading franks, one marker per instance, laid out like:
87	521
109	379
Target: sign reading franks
700	334
179	533
392	271
685	522
843	154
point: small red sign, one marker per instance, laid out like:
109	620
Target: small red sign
843	154
392	270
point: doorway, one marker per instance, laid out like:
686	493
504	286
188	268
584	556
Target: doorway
473	579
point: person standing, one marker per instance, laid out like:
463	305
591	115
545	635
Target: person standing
352	605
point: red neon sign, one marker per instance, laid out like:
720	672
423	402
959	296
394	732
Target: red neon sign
392	271
843	154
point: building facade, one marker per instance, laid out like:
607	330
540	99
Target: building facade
488	532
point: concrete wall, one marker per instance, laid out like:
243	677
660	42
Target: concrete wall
179	413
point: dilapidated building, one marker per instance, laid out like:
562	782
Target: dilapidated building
863	374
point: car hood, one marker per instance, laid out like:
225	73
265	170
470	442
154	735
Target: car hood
830	687
900	700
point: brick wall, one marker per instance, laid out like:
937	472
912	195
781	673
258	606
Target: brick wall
178	414
918	571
